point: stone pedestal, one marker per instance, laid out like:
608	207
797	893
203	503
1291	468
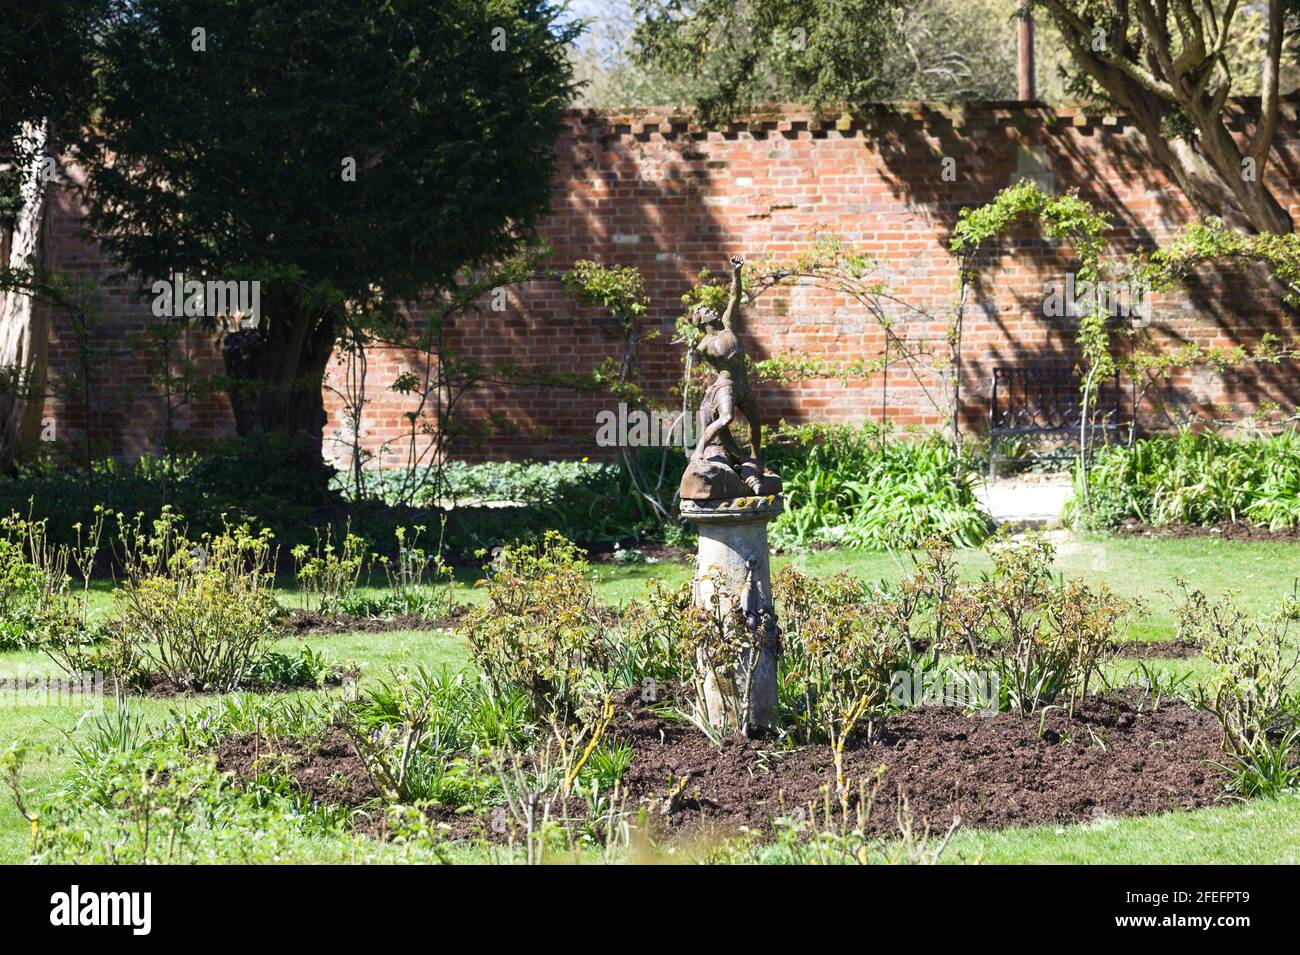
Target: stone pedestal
732	565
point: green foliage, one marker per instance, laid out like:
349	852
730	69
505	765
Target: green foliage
745	54
583	500
328	575
240	481
21	590
842	646
856	487
1043	639
46	63
409	593
1212	241
649	644
40	608
620	290
1250	692
420	735
415	215
1066	218
540	631
606	765
160	807
199	611
1193	478
304	668
359	140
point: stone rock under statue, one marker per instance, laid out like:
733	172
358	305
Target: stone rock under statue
731	496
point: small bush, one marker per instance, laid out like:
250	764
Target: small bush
842	649
327	574
22	587
540	631
201	613
40	608
1042	639
409	592
1249	693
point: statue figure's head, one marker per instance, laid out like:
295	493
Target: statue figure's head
702	316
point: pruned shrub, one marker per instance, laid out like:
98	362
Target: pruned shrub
328	573
201	613
842	648
1250	693
540	630
41	607
1042	639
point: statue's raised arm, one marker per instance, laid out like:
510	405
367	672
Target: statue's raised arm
733	302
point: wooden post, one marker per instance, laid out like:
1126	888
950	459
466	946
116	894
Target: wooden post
1025	56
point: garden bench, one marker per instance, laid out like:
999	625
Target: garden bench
1031	401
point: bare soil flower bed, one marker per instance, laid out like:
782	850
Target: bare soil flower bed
1177	649
161	687
310	623
1113	759
1119	756
327	770
1239	531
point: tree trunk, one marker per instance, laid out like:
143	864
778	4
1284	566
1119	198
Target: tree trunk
1209	171
276	373
24	320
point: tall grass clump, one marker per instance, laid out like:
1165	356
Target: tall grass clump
1193	478
856	486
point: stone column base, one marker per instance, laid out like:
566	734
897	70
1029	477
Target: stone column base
732	566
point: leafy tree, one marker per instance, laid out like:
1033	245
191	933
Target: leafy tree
1170	66
746	52
45	89
727	55
347	156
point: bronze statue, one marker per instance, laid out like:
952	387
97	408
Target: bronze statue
718	468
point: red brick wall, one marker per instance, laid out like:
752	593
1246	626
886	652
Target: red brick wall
654	192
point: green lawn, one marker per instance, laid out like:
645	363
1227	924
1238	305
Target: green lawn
1260	573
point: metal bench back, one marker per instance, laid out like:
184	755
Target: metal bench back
1044	401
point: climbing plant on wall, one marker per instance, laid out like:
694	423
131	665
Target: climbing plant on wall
1073	220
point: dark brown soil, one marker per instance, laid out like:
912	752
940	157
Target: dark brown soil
157	686
310	623
603	552
1117	757
1225	531
328	770
1159	649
